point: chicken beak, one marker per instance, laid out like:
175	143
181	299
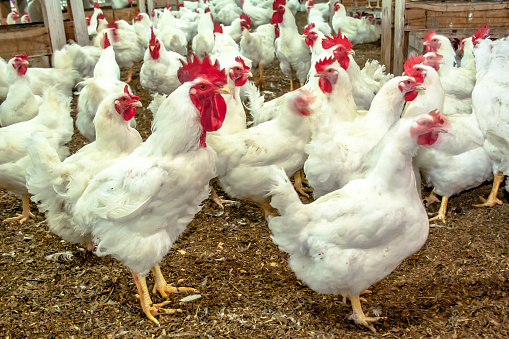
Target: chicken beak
318	74
224	90
439	129
248	74
426	43
152	47
25	62
350	52
420	87
136	104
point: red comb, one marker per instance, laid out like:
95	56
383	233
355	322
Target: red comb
101	16
309	28
482	33
241	61
126	91
96	5
168	6
429	35
180	6
217	27
277	3
207	10
246	18
415	59
21	56
322	64
194	68
152	36
437	118
333	40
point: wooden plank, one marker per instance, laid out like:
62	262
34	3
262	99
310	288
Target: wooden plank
127	14
79	22
20	39
150	6
54	23
386	34
142	6
458	6
5	8
399	23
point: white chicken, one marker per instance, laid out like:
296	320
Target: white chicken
203	42
245	157
358	31
339	143
137	208
260	12
142	25
94	23
96	89
57	185
54	123
173	38
491	105
82	58
4	86
315	16
226	11
238	27
291	50
259	47
158	73
20	104
351	238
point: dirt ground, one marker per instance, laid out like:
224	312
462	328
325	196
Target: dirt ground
456	286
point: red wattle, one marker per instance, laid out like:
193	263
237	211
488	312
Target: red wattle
129	113
213	114
325	85
239	82
410	96
22	69
427	139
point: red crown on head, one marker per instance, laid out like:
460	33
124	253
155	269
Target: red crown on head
195	68
217	27
322	64
415	59
21	56
429	35
152	36
96	5
241	61
482	33
106	41
309	28
207	10
101	16
180	6
333	40
437	118
126	91
277	3
245	18
168	6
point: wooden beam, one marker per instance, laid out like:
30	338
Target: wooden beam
150	6
142	6
399	23
54	21
386	34
80	24
458	6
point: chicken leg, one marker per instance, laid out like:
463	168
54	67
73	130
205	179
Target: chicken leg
163	288
267	208
130	75
25	214
441	212
492	198
358	315
299	179
150	309
291	84
260	79
431	198
215	198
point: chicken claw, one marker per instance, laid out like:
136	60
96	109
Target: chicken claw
150	309
164	288
492	198
26	214
431	198
358	315
441	211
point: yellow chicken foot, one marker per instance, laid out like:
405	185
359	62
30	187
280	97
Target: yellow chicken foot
268	209
492	198
260	79
298	179
163	288
215	198
25	214
358	315
150	309
361	299
441	212
431	198
291	84
130	75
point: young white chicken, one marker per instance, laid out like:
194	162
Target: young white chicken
351	238
20	104
158	73
203	42
56	185
137	208
54	123
172	37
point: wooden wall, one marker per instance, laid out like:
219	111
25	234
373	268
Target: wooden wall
32	39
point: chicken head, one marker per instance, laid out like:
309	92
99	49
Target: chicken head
310	35
20	63
154	45
427	128
302	101
278	6
240	72
126	104
328	75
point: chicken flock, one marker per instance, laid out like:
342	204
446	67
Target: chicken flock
362	139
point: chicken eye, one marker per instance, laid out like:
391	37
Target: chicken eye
123	99
202	86
408	81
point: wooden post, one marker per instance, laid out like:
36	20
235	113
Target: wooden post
150	6
141	6
54	21
387	34
79	20
399	31
5	8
